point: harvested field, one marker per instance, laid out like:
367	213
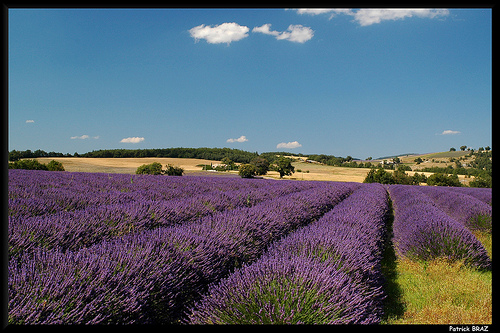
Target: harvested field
124	165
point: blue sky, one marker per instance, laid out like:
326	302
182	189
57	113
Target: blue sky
355	82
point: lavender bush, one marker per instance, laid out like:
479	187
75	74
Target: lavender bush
154	275
468	210
328	272
422	231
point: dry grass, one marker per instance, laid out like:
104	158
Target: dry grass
123	165
323	172
309	171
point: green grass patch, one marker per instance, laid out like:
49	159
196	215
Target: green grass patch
437	291
441	292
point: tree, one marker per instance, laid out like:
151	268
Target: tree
284	166
149	169
28	165
261	165
452	149
55	166
229	164
482	180
462	148
440	179
173	170
379	175
15	155
246	171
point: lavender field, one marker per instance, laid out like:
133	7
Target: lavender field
136	249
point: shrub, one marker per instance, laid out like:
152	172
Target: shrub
247	171
28	165
173	170
440	179
55	166
149	169
379	176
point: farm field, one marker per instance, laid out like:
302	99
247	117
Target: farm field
123	165
308	171
112	248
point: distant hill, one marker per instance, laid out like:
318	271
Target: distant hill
392	156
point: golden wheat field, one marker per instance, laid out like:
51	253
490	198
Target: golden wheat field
303	170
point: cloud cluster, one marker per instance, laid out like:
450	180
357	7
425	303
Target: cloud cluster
29	121
450	132
223	33
233	32
84	137
294	33
240	139
132	140
369	16
289	145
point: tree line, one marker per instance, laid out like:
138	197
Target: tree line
236	155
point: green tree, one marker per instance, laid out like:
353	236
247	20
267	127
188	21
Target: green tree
418	178
462	148
379	175
173	170
149	169
261	165
55	166
284	166
229	164
440	179
246	171
28	164
482	180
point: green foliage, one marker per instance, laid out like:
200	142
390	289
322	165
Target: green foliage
379	175
173	170
284	166
235	155
440	179
261	165
55	166
247	171
149	169
28	165
15	155
482	180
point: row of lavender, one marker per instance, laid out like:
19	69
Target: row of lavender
155	275
431	222
140	208
328	272
33	193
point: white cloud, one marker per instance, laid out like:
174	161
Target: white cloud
318	11
290	145
240	139
223	33
132	140
29	121
295	33
369	16
83	137
450	132
265	29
